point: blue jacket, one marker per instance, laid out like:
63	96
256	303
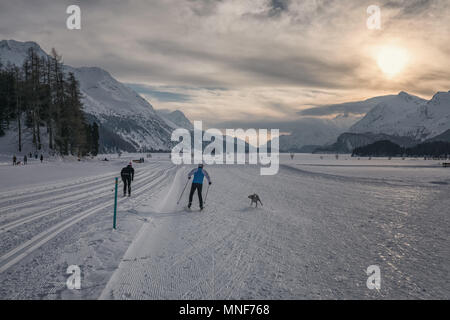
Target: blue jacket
199	175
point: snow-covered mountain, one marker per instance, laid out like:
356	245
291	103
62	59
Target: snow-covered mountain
127	121
403	119
121	111
435	115
175	119
15	52
310	132
347	142
408	116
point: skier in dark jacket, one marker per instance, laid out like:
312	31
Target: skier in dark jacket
25	159
42	158
127	175
197	184
14	160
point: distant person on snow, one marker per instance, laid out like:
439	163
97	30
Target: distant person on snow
14	160
197	184
25	159
42	158
127	175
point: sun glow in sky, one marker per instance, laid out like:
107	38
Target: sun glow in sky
392	60
249	63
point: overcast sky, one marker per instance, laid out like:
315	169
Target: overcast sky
238	61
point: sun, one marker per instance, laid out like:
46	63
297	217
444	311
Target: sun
392	60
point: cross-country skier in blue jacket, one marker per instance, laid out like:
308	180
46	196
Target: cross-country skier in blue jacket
197	184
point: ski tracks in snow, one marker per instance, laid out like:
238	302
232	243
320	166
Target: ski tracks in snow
227	251
95	194
314	238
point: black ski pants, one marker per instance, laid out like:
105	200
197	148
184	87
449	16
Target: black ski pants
198	187
126	184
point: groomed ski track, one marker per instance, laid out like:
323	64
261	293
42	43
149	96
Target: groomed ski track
318	231
35	216
313	239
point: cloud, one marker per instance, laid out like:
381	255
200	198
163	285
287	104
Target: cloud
157	94
234	59
356	108
283	126
409	8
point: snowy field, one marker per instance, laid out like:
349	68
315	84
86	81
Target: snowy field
324	221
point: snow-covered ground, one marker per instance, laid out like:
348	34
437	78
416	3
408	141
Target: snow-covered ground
324	221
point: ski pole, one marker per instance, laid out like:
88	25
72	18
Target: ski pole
178	202
206	196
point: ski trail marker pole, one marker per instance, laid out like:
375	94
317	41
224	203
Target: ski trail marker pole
178	202
115	203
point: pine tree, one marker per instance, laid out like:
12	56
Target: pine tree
41	92
95	138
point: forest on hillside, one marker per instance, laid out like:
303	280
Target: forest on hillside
38	96
386	148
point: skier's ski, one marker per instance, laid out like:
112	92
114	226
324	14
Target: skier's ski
194	210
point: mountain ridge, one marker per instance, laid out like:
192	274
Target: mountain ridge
175	119
121	112
404	119
408	116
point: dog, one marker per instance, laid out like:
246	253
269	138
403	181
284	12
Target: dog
255	198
